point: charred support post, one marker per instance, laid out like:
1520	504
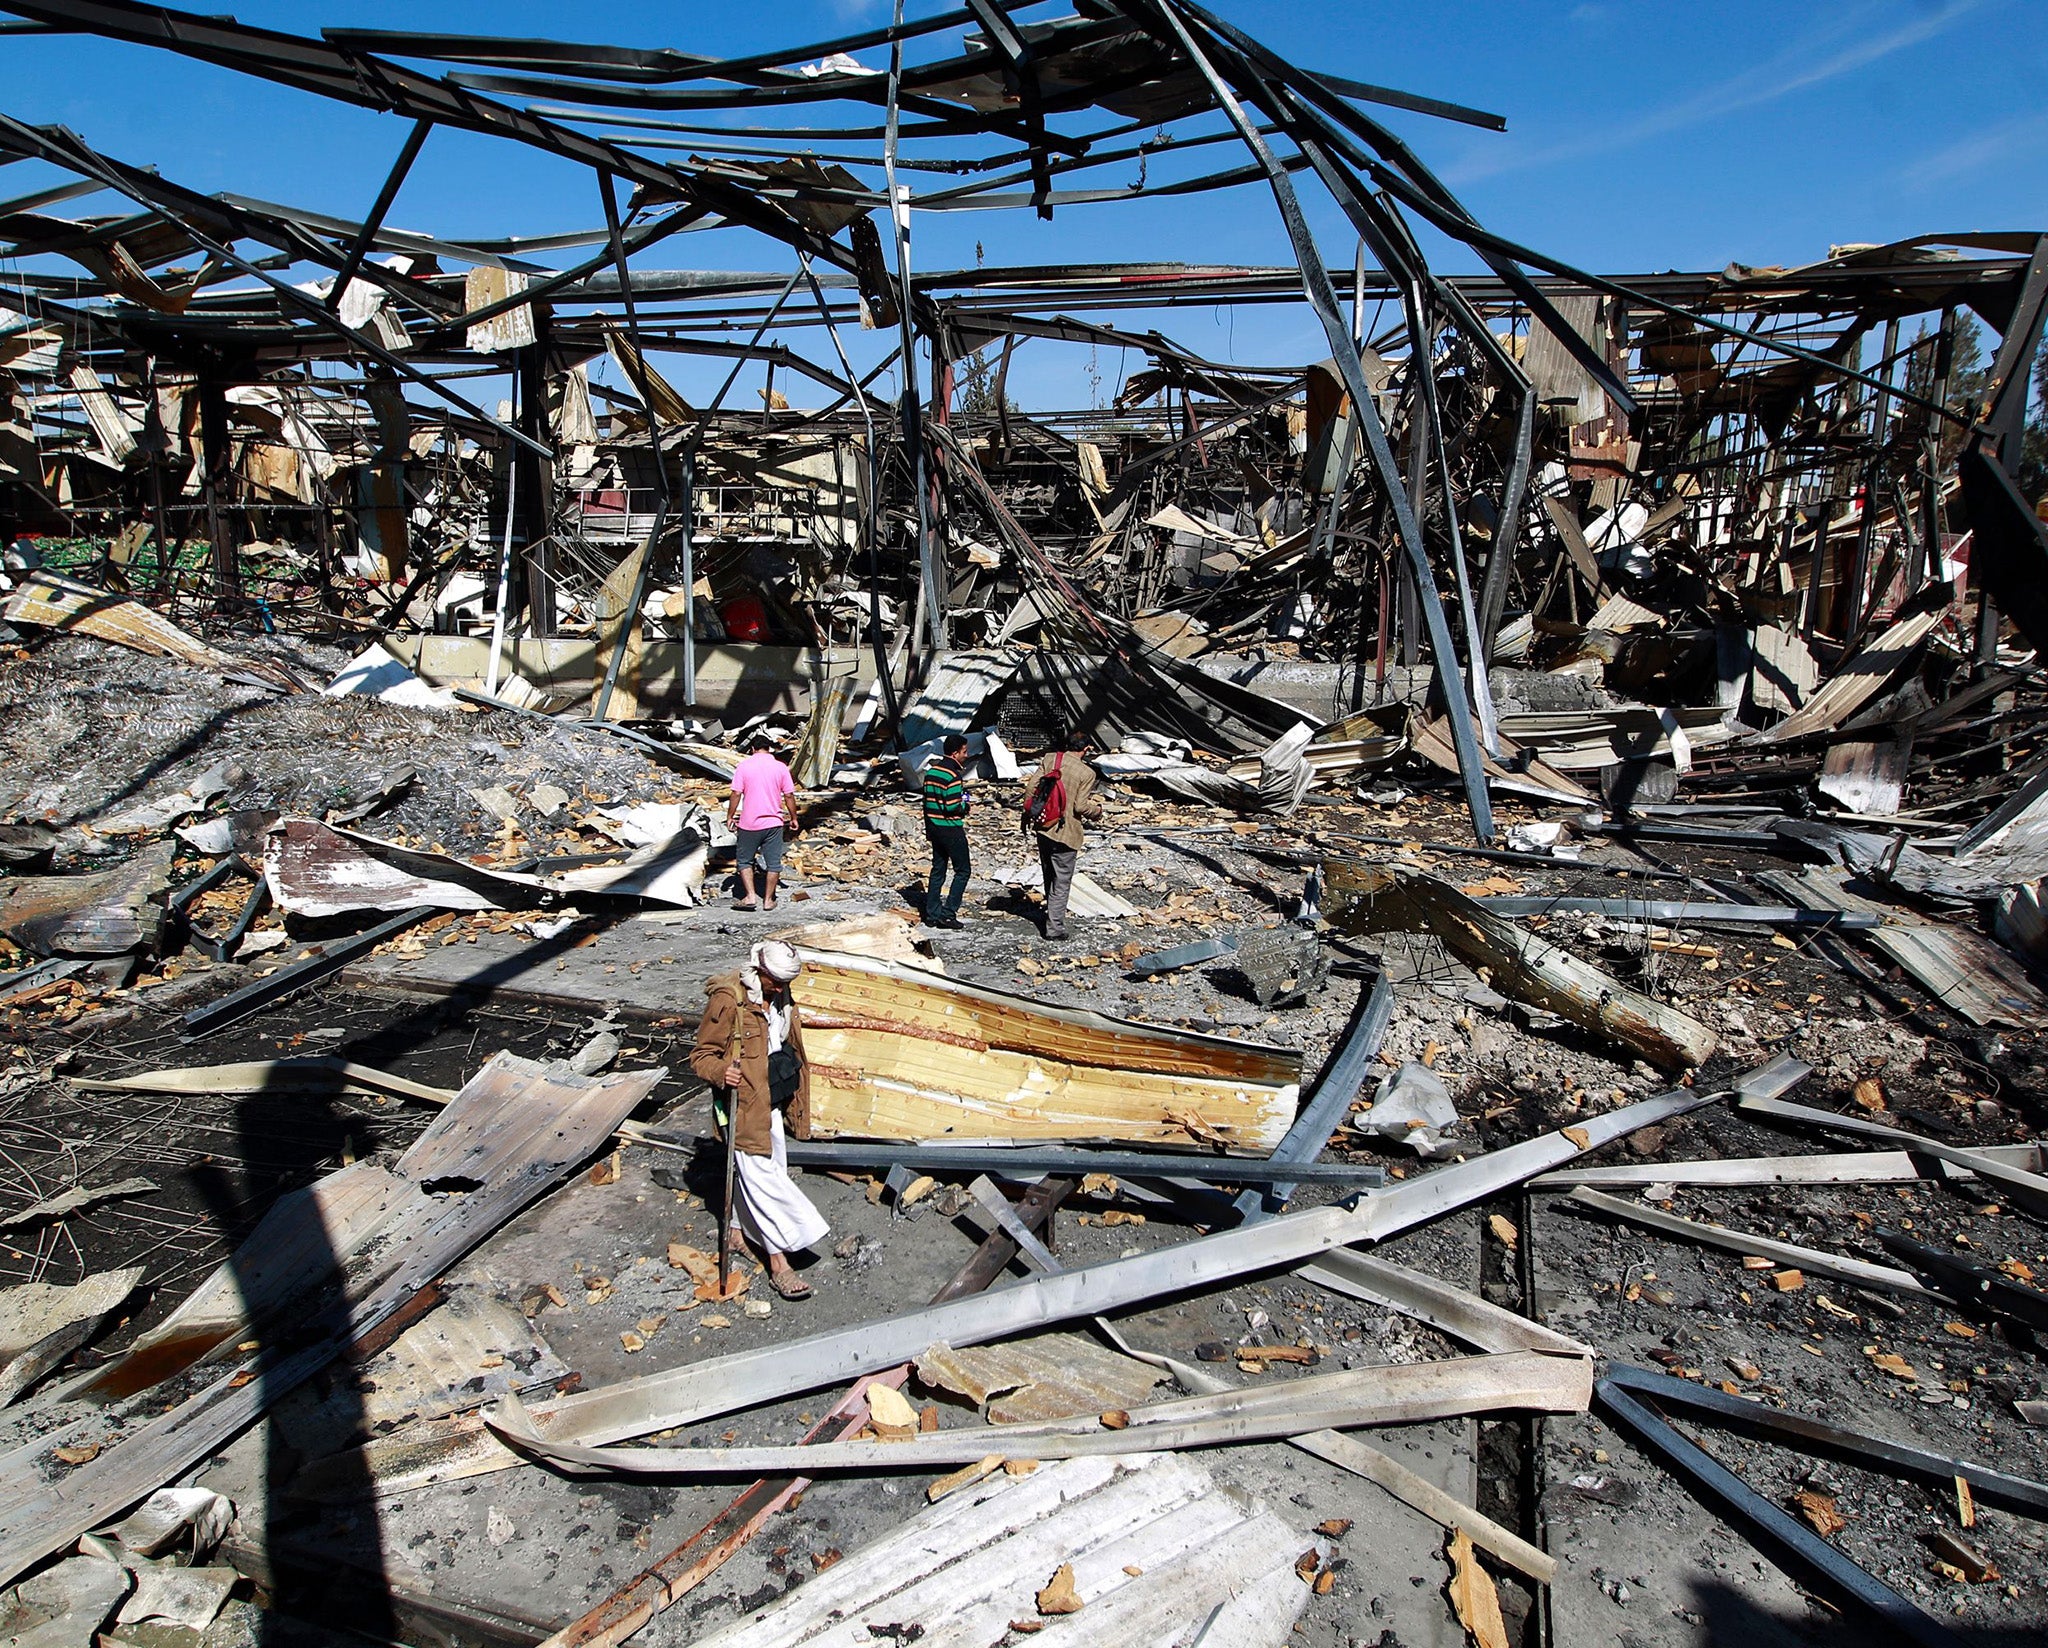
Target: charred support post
1500	560
537	483
2011	542
217	457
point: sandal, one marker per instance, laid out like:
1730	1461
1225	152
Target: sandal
790	1285
747	904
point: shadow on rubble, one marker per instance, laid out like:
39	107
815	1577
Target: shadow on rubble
145	775
1728	1615
324	1565
287	1141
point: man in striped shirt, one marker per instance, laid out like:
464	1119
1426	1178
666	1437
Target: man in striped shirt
946	803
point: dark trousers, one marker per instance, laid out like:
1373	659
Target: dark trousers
949	851
1056	864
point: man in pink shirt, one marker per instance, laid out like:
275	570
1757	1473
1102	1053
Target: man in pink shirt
763	803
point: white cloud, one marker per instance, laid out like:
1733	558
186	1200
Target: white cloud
1812	62
2007	141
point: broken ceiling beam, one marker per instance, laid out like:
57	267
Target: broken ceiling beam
669	1578
312	1074
1630	1397
513	1132
1751	1417
1970	1284
655	1402
1676	912
1449	1309
1808	1260
1403	1394
1336	1087
325	960
1026	1162
1352	1454
1385	897
2028	1188
898	1053
1851	1167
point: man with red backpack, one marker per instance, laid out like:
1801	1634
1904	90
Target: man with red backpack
1057	798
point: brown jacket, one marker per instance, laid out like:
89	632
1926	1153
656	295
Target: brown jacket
1082	801
727	1008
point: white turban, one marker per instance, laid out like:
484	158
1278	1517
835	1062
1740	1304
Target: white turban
778	960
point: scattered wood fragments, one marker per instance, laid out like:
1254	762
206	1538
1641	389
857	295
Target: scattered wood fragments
1473	1595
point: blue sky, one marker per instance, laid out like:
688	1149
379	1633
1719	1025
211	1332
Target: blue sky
1643	136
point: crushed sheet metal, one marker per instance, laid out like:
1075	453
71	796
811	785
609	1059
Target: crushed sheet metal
53	601
515	1130
42	1323
111	913
1401	1394
678	1396
1962	970
78	1197
974	1561
314	869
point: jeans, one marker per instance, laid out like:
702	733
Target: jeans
1056	865
949	851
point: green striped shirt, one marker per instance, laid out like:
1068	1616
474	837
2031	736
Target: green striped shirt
945	794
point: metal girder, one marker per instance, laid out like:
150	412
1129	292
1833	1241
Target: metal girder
370	82
1967	1283
637	1407
2030	1188
1632	1399
1028	1161
1340	1083
253	998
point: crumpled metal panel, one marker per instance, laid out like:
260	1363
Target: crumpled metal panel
113	913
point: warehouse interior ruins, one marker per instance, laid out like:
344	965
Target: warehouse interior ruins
1534	1137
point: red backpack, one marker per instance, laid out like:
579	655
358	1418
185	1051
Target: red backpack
1048	804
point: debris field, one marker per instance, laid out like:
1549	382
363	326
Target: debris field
1532	1132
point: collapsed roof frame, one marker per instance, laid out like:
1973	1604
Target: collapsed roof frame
1156	62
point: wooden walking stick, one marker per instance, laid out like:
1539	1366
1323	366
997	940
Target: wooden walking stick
731	1129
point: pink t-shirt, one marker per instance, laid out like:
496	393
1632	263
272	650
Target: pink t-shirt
761	781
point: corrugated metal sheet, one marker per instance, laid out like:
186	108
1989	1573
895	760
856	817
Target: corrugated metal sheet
960	684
